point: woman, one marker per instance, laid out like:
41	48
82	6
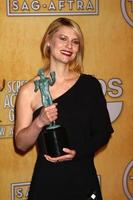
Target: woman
78	105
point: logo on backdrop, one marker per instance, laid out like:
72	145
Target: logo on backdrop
19	191
8	92
128	181
52	7
127	11
112	89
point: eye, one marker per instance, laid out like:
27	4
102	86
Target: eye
76	42
63	38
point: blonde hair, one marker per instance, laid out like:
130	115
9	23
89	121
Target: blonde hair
77	64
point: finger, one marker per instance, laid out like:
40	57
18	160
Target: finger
69	151
52	117
64	157
51	110
56	159
69	156
51	114
51	107
50	159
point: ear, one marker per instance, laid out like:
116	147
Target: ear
47	41
48	45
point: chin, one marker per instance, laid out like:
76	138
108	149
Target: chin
67	61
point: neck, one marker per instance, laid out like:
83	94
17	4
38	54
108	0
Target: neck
62	71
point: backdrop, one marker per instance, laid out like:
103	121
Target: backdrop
108	32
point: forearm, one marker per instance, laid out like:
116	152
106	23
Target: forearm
27	137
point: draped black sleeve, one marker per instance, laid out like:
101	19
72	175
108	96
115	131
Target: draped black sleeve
101	128
83	112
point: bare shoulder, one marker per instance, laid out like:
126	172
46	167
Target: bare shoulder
27	90
28	87
28	96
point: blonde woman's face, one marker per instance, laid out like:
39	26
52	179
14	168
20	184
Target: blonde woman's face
64	45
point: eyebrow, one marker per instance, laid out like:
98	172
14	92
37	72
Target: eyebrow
61	34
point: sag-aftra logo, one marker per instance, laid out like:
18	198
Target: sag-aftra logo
52	7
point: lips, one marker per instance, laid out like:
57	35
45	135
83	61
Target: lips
65	52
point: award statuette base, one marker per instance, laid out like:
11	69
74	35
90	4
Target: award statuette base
55	140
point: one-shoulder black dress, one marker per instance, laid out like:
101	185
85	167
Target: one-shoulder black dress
83	113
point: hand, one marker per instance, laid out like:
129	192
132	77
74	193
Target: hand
70	154
47	115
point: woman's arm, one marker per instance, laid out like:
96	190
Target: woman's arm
26	129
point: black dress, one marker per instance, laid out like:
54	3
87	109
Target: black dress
82	111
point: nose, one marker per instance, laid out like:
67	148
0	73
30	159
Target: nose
69	44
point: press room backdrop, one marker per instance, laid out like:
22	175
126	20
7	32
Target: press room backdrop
108	32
